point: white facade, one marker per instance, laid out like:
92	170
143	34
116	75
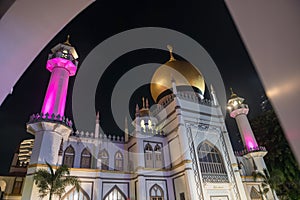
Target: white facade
179	151
169	163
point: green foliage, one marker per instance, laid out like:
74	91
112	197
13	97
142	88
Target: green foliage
283	167
54	183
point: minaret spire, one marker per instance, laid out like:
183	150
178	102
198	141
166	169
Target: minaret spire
147	103
97	125
126	130
174	88
214	96
137	110
143	99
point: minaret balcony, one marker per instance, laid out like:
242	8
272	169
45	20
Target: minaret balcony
39	117
259	151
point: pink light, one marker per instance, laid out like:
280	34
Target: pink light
55	98
250	143
63	63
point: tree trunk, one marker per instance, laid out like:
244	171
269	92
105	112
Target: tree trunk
50	196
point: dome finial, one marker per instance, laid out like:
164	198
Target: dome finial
232	93
171	52
67	42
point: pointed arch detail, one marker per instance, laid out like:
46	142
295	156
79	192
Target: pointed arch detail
156	192
86	158
254	194
73	194
119	161
115	194
69	155
211	163
103	157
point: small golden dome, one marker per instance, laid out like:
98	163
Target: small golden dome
184	74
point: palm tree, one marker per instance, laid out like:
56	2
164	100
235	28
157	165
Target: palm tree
54	183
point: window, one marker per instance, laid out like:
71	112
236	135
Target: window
182	196
158	156
73	194
148	156
69	156
156	193
104	159
86	159
115	194
17	186
119	161
211	163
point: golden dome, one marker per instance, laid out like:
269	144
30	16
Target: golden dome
184	74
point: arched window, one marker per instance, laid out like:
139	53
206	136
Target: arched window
73	194
254	194
115	194
119	161
211	163
69	156
157	156
86	159
104	159
148	156
156	193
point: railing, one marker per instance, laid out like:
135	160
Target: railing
212	168
215	178
87	134
50	118
246	151
193	97
151	131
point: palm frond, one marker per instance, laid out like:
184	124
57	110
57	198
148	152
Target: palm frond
54	183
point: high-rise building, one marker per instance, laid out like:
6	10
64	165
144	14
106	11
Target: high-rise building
22	158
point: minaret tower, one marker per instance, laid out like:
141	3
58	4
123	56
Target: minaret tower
50	126
61	63
239	110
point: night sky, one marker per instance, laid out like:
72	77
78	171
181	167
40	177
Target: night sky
207	22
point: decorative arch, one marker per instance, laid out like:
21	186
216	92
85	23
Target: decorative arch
119	161
211	163
156	193
157	156
254	194
69	156
103	156
115	194
73	194
86	159
148	156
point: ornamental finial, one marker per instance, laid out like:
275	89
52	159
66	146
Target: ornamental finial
171	52
67	42
232	93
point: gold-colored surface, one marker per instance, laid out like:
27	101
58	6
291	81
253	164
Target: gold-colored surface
67	42
184	74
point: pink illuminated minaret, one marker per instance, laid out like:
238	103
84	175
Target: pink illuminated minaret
239	110
50	127
61	63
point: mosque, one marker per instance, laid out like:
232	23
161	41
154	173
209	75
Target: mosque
183	153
